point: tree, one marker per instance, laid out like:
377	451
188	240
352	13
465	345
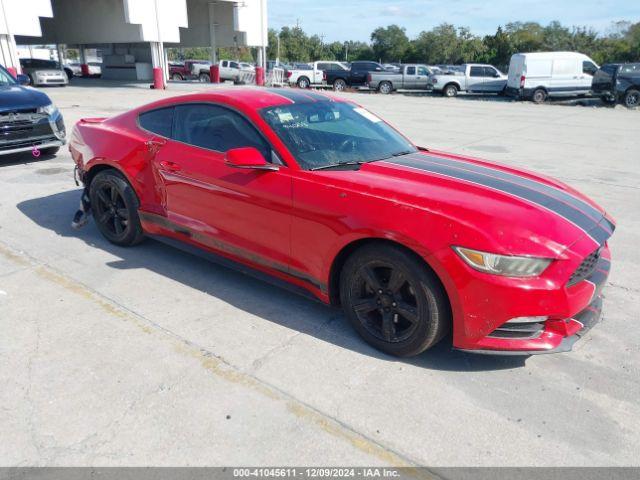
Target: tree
390	44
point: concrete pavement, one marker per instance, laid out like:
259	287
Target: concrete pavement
151	356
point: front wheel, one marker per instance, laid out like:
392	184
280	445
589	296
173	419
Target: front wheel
115	208
176	77
393	300
339	85
204	78
632	99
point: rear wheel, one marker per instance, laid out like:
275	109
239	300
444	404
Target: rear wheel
115	208
303	82
339	85
632	98
539	96
450	90
385	88
176	77
393	300
204	78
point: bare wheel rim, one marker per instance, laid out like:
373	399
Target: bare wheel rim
384	300
111	211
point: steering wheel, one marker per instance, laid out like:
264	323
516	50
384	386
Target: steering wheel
348	145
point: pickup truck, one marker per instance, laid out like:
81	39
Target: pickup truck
355	76
618	82
477	78
313	73
410	77
190	69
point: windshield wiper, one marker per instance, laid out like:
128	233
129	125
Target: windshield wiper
338	165
405	152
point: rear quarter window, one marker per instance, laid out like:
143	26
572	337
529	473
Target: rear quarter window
159	121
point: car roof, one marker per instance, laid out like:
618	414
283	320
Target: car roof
248	98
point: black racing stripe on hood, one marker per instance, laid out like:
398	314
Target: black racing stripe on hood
527	192
296	97
561	195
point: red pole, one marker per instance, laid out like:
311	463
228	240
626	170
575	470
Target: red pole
158	79
13	72
84	68
214	73
260	76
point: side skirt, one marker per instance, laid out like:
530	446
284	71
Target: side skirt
237	266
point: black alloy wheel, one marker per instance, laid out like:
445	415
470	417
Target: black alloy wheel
393	300
115	208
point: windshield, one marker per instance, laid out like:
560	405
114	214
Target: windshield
323	134
6	78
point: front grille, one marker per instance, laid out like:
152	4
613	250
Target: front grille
586	268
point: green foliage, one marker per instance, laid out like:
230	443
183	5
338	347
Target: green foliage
444	43
390	44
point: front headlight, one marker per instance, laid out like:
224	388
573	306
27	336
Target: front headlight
48	109
507	265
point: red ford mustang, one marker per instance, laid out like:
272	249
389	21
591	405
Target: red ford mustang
324	195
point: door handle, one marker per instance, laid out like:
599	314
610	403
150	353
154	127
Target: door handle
169	166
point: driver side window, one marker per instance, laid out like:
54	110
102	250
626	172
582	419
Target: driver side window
216	128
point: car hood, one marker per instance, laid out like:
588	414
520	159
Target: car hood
17	97
507	210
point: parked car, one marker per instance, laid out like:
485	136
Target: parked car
232	70
328	198
411	77
618	83
314	75
354	77
190	70
44	72
537	76
72	69
29	122
474	78
391	67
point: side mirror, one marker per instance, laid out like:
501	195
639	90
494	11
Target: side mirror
23	79
248	157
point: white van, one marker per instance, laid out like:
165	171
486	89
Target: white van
536	76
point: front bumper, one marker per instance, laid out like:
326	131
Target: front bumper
22	132
565	310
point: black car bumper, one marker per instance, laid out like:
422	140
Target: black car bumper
24	131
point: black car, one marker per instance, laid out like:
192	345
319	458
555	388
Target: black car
354	77
618	83
28	119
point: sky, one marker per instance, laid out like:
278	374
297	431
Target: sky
340	20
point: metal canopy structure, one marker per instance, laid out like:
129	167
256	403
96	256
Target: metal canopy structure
127	28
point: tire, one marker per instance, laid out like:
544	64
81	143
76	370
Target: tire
539	96
450	90
608	99
31	82
115	208
303	82
50	150
631	98
410	315
176	77
69	73
204	78
385	88
339	85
